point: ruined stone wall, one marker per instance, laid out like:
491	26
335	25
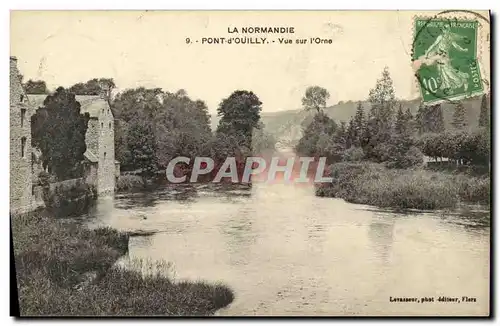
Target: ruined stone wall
106	172
90	173
20	144
92	136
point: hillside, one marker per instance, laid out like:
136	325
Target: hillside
287	126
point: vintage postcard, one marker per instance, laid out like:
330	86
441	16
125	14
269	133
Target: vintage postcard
250	163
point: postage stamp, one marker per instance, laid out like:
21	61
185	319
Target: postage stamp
445	58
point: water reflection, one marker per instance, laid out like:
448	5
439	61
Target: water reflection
136	200
474	219
288	252
381	235
239	234
316	232
104	206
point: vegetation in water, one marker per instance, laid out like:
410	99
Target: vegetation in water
374	184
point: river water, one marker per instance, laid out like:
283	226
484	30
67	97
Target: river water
285	251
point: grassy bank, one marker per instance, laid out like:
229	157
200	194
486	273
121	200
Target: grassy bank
373	184
66	269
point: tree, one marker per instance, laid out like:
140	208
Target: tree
262	141
240	115
340	135
359	124
484	115
400	125
436	120
129	108
379	124
122	153
420	119
402	152
459	116
107	85
95	86
58	131
383	93
484	147
464	146
36	87
447	144
319	138
201	114
141	144
315	98
91	87
474	147
125	107
137	101
351	137
181	125
187	124
353	154
382	99
224	146
327	147
430	146
430	119
409	120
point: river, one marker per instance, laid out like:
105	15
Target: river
285	251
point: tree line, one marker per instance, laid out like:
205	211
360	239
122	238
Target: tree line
390	134
152	126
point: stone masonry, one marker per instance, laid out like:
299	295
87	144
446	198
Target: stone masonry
20	144
99	139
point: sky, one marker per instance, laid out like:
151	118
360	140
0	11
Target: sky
149	49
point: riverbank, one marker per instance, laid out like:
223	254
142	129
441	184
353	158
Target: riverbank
373	184
64	269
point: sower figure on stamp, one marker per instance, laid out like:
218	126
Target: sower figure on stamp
439	53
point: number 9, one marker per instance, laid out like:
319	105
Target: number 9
188	40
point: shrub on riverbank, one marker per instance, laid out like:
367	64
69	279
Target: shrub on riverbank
372	184
66	269
474	189
129	182
69	197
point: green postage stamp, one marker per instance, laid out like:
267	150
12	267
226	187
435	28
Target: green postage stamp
445	58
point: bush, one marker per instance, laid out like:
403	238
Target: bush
345	176
353	154
412	158
129	182
473	189
411	189
67	198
